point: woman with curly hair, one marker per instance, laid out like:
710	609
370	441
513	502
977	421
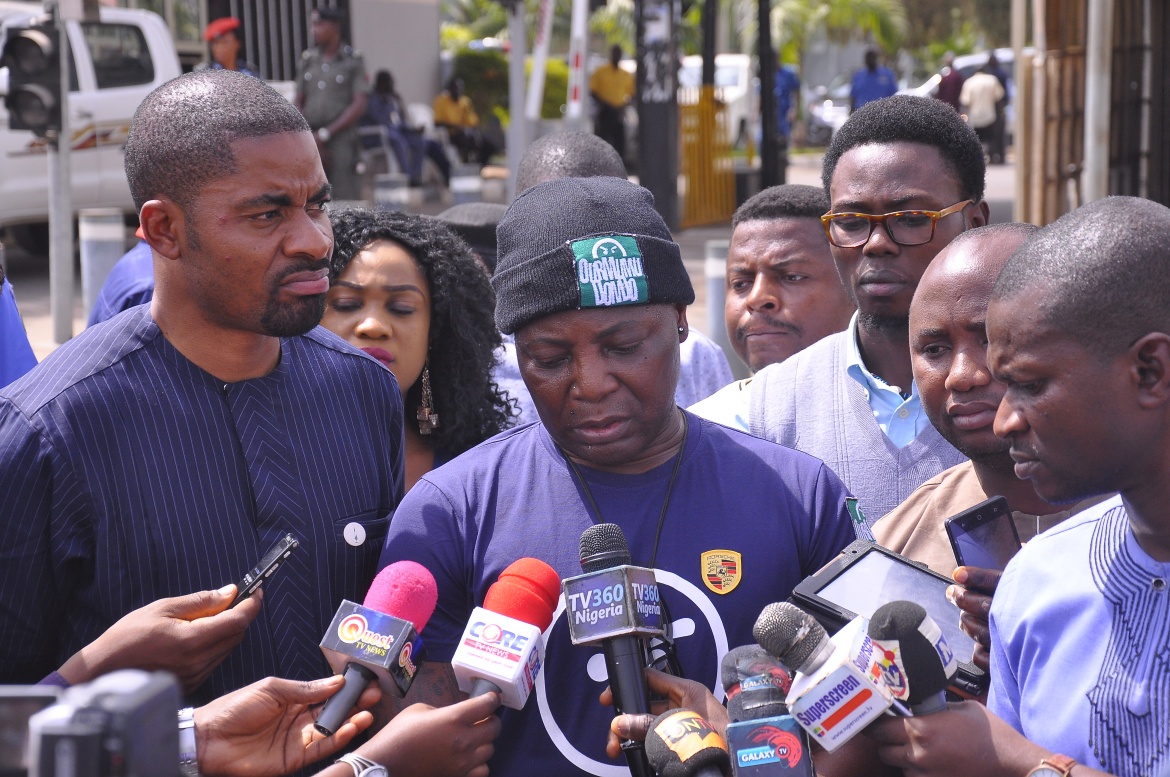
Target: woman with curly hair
408	292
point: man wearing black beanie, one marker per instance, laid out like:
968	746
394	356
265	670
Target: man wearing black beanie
595	290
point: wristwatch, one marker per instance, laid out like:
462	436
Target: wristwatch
1054	766
188	764
323	134
364	767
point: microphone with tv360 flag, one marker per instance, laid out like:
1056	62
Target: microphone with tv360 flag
502	648
838	688
764	740
616	605
378	639
917	663
681	743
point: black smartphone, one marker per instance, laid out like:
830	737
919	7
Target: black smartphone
984	535
264	568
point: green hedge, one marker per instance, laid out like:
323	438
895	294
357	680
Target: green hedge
485	79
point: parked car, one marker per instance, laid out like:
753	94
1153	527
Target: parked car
118	61
828	109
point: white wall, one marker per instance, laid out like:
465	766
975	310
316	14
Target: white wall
401	36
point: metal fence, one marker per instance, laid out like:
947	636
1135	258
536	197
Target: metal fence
275	31
706	167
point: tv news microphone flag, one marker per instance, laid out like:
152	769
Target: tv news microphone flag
618	606
378	639
502	648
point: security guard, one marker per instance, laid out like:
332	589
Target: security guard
332	89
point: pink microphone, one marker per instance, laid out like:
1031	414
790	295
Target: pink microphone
378	639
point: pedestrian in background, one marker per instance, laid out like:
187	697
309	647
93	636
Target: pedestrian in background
951	84
786	85
612	89
872	82
223	37
455	112
332	90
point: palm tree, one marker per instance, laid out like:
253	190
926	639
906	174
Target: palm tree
794	21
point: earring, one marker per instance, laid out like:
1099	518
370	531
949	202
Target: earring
428	419
681	330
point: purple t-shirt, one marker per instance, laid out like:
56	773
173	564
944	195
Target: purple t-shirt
754	515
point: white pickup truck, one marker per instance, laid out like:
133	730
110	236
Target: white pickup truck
116	62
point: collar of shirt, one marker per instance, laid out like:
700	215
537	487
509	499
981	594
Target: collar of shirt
900	419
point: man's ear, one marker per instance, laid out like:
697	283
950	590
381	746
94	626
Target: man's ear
1149	360
980	215
684	329
164	227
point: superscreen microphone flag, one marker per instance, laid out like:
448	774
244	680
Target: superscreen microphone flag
838	689
378	639
917	663
681	743
616	605
502	648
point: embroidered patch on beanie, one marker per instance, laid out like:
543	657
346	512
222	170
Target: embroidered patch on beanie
609	271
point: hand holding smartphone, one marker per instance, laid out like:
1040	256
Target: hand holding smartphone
985	535
264	568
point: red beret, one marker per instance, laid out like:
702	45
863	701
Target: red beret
220	26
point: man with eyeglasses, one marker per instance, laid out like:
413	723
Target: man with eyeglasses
904	177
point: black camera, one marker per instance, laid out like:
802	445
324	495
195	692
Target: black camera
122	723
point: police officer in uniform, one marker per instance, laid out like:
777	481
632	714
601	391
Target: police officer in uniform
332	89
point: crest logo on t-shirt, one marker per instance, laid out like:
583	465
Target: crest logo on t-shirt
609	271
722	570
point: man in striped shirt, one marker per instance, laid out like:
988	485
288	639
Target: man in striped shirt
165	450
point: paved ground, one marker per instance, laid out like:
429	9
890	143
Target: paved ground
30	278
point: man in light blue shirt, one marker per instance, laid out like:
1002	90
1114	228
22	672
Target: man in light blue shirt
904	177
16	355
1078	329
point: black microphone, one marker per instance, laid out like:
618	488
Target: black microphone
763	739
917	663
616	605
681	743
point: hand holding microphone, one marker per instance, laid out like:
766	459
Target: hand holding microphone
378	640
681	743
616	605
763	739
838	689
502	648
679	692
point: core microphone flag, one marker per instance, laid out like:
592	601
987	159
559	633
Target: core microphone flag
502	648
378	639
838	689
917	663
681	743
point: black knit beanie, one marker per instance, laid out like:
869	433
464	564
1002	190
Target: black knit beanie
576	243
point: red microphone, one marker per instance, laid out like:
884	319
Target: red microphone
502	647
378	639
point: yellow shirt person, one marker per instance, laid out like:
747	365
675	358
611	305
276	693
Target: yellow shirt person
612	85
454	112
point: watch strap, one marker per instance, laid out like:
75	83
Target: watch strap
1061	764
363	767
188	761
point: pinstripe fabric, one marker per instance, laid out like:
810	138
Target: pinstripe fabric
128	474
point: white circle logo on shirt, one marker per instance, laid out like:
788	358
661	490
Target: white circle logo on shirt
354	533
575	756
